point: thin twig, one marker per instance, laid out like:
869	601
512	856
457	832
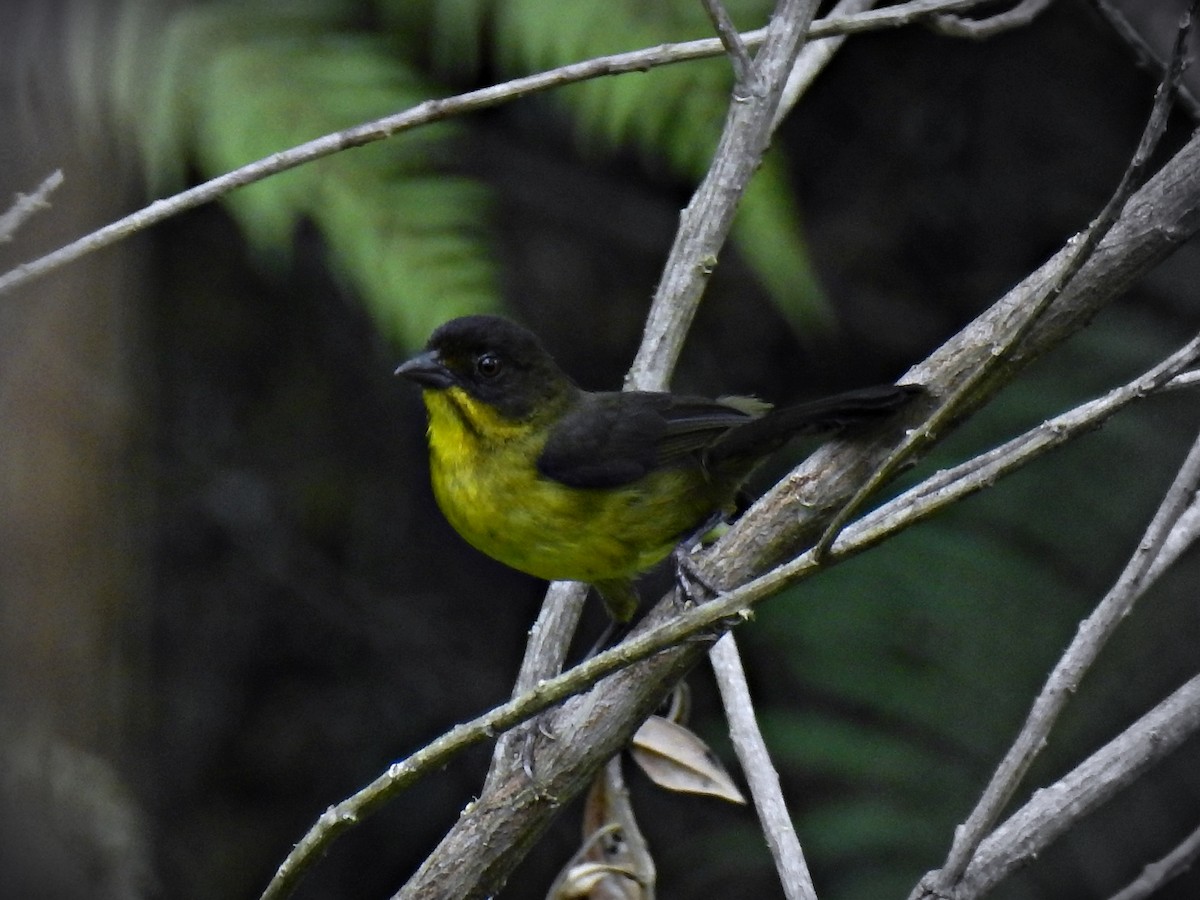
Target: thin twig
1082	247
1055	809
551	634
705	223
1182	536
979	29
25	205
1158	873
1145	56
545	655
1100	625
703	229
1094	632
914	506
952	485
760	772
731	40
438	110
815	56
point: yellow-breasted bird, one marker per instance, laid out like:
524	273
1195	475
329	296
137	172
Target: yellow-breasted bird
574	485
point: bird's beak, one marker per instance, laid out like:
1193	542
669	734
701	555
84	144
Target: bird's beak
427	370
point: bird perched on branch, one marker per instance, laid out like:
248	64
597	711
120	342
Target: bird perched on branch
568	484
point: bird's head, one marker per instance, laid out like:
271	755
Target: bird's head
494	361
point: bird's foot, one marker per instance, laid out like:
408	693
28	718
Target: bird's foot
694	587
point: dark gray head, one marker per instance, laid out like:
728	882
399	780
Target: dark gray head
494	360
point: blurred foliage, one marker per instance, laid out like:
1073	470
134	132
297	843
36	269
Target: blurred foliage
239	82
236	82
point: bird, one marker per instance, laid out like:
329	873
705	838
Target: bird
567	484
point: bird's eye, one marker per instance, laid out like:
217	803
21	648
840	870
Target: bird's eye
488	365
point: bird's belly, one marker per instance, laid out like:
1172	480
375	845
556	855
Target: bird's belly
556	532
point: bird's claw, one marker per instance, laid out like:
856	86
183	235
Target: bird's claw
694	587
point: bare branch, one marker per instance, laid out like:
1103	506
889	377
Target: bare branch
1080	249
913	12
704	227
979	29
1156	219
1182	536
739	56
436	111
1161	215
25	205
760	772
664	629
814	57
1145	55
1064	681
1096	630
1157	874
1055	809
952	485
545	654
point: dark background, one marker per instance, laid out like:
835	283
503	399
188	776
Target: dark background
227	599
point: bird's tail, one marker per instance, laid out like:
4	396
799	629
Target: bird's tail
761	436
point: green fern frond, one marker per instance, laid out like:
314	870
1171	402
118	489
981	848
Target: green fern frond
673	113
246	81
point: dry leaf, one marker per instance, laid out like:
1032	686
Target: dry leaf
676	759
614	862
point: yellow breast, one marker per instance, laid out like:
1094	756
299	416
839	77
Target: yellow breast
486	482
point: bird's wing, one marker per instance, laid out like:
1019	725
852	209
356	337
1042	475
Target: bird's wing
613	439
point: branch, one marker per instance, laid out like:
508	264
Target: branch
979	29
1161	215
1144	55
438	110
1157	874
950	486
1054	810
739	57
25	205
689	632
1064	681
1164	213
1096	630
1080	249
545	655
760	772
1182	536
